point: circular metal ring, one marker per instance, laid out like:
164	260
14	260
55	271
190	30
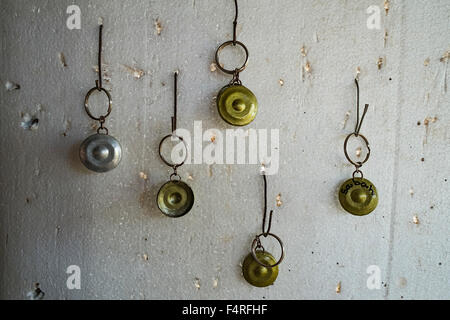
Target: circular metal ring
104	129
358	171
254	245
175	175
226	44
359	163
86	103
173	165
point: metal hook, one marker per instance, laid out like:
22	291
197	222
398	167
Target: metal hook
235	22
358	122
174	118
266	233
99	81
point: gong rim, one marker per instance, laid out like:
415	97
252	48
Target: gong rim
358	196
244	97
256	274
163	201
100	153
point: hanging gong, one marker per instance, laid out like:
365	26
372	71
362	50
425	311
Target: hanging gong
100	152
175	199
237	105
258	275
358	196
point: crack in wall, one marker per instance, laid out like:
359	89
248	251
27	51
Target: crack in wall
395	174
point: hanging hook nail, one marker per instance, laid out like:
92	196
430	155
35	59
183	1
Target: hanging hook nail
358	122
174	118
235	22
265	233
99	81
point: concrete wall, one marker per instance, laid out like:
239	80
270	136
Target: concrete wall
54	213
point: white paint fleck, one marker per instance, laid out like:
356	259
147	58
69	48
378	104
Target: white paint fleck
315	37
263	168
10	86
67	126
36	294
346	117
143	175
29	122
135	72
197	283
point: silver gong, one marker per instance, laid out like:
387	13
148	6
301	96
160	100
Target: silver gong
100	153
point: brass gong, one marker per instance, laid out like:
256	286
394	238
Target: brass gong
358	196
100	152
175	199
237	105
258	275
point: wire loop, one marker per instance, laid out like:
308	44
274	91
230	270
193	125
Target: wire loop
173	135
98	88
264	231
358	122
256	244
226	44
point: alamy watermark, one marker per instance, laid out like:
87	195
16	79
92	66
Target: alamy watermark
234	146
74	19
74	280
374	19
374	279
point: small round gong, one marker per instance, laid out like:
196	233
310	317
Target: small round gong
175	199
358	196
100	153
258	275
237	105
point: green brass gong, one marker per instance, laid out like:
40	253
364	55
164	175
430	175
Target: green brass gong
175	199
237	105
358	196
258	275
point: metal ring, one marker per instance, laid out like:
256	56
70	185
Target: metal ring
175	175
358	171
173	165
103	128
359	163
254	245
86	103
226	44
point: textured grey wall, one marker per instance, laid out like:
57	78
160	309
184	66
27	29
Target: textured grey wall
54	213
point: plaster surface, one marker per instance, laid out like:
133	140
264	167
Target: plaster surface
55	213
